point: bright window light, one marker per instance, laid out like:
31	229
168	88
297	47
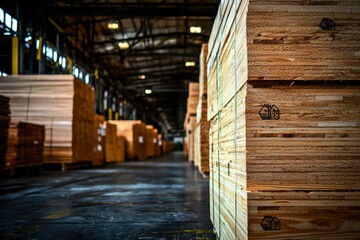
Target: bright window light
44	49
148	91
76	72
123	45
81	75
190	64
113	25
141	77
49	52
1	15
7	33
63	64
55	55
14	25
87	79
37	43
7	20
27	39
195	29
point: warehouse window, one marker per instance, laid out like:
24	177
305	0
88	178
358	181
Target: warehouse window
7	20
1	15
3	74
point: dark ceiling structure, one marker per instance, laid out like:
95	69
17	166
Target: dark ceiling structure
139	45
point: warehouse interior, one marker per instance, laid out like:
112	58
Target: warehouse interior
167	119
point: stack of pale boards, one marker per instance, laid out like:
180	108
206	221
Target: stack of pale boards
284	154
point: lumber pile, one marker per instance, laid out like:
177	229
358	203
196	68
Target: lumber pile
156	145
134	132
114	145
4	129
25	144
150	141
190	120
168	147
62	104
201	131
284	152
99	131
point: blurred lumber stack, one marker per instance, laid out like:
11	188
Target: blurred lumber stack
190	120
150	141
284	152
62	104
4	129
201	132
168	147
135	135
25	144
99	138
156	145
114	145
160	143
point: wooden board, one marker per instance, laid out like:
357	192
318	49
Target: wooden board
25	144
160	143
64	105
151	141
203	71
99	131
114	145
191	138
135	134
156	145
4	129
168	147
301	168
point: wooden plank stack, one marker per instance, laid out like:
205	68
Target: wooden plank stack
99	131
160	143
284	152
190	120
134	132
168	147
4	129
201	132
156	145
114	145
150	141
62	104
25	145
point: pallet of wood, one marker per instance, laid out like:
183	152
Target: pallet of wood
114	145
284	151
62	104
191	137
25	145
150	141
168	147
201	132
156	144
4	129
99	132
134	132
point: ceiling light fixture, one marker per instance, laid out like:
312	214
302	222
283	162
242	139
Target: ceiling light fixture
195	29
123	45
141	77
113	25
148	91
190	64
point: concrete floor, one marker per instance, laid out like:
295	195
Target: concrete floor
156	199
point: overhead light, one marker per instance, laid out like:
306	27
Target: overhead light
190	64
113	25
141	77
123	45
148	91
195	29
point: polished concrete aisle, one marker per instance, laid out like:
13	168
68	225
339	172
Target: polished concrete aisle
156	199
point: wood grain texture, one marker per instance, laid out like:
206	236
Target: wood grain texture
150	141
4	129
64	105
135	134
114	145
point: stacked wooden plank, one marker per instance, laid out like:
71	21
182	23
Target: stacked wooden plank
190	119
114	145
150	141
25	144
168	147
156	145
284	152
99	131
135	135
4	129
62	104
201	132
160	143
